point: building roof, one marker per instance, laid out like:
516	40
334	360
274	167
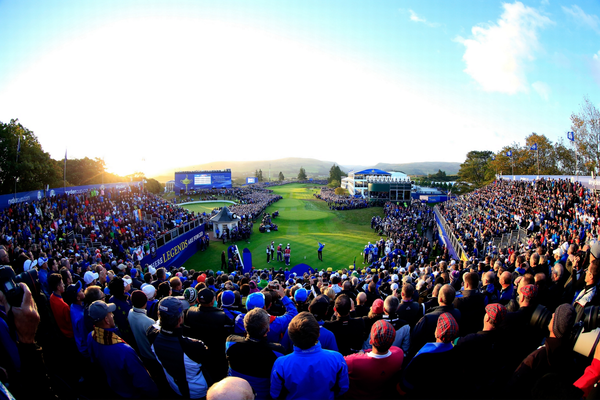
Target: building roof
225	215
372	171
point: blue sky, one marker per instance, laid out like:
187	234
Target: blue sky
348	81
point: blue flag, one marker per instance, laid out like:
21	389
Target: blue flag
533	147
509	153
571	136
493	158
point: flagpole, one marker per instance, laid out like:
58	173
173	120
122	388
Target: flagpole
16	164
65	174
538	159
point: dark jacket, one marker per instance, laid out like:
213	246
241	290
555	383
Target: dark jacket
472	309
554	356
348	332
184	361
253	361
212	326
410	311
424	330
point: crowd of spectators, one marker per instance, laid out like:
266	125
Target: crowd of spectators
118	223
496	327
558	211
340	202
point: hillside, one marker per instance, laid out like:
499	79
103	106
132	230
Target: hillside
314	168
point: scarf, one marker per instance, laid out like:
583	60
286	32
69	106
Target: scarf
106	337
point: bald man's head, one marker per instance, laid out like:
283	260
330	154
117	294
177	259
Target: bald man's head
230	388
361	298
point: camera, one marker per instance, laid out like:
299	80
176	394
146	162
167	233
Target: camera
584	335
9	284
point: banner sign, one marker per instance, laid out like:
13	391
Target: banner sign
9	199
176	252
251	180
192	180
445	238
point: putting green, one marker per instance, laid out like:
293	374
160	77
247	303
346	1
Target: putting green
206	207
303	222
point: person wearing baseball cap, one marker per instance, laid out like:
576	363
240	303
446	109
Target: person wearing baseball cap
184	360
372	373
125	372
212	326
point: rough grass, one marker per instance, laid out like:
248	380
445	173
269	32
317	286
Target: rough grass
304	221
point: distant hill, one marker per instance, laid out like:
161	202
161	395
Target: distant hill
422	168
314	168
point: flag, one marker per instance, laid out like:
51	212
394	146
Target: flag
19	146
533	147
493	158
571	136
509	153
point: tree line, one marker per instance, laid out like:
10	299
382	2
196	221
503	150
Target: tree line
578	152
24	162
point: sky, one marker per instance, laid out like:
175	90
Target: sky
154	85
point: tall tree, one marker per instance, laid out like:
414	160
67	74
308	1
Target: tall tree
281	177
335	173
586	126
260	176
34	168
476	168
302	174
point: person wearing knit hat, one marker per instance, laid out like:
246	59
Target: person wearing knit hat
554	357
191	296
418	384
372	373
447	328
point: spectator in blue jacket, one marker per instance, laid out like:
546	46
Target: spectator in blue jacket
310	372
318	308
278	324
124	370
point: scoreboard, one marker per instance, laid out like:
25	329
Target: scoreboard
195	180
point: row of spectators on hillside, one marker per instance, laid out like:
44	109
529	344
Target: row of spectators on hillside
340	202
558	211
405	225
375	333
120	220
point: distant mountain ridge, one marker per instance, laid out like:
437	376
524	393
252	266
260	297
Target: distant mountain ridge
314	168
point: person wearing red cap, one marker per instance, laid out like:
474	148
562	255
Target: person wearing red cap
488	344
519	331
373	373
440	353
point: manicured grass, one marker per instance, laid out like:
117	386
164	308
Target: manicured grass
303	222
206	207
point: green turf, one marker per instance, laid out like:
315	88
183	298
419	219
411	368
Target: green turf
303	222
206	207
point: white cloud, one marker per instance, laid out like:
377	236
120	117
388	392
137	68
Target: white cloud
498	54
542	89
415	18
591	21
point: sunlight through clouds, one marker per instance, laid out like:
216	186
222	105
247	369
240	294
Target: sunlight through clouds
157	87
